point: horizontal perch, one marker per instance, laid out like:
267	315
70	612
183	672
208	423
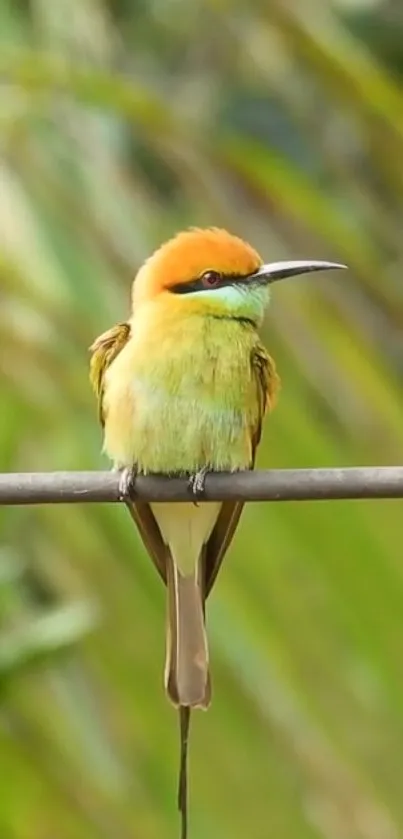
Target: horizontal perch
264	485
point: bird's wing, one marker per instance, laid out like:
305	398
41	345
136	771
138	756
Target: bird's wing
267	384
264	374
103	352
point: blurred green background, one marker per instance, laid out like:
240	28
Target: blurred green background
120	123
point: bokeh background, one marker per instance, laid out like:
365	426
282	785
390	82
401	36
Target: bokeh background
121	122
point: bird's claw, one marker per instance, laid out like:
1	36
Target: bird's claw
127	483
197	484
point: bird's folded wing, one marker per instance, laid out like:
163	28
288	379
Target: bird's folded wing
103	352
267	384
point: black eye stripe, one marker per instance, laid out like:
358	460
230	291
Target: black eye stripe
198	285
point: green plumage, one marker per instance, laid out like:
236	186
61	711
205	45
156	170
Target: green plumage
197	396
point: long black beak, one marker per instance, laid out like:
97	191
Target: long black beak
274	271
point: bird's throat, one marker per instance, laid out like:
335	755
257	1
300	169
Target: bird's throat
237	301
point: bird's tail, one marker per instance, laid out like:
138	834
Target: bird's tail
187	677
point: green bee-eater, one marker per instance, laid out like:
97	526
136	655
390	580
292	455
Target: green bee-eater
183	388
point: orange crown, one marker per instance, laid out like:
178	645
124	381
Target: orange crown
185	257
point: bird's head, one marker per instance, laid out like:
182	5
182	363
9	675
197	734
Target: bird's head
211	270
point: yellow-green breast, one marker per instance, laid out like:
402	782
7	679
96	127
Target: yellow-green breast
182	395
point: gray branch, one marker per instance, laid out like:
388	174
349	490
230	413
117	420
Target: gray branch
269	485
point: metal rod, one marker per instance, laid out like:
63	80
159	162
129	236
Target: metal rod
269	485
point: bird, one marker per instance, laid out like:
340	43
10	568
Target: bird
183	386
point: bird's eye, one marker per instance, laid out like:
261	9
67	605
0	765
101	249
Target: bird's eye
211	279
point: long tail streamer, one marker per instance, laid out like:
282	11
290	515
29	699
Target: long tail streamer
184	723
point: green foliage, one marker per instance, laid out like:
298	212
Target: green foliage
121	123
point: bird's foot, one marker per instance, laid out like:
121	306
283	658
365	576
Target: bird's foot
127	483
197	484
